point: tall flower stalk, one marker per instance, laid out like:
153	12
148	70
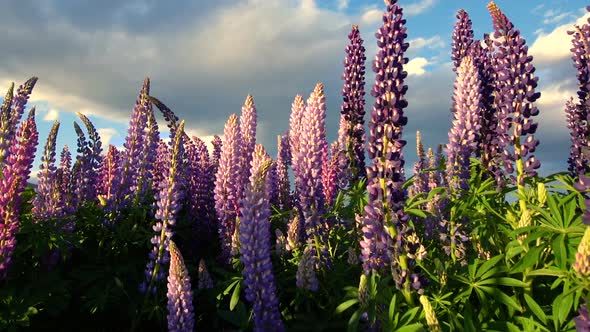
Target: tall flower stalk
15	174
255	246
227	181
168	202
181	316
352	122
47	202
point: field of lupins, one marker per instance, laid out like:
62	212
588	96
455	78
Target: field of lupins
172	236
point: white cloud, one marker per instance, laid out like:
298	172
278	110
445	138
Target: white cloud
372	16
51	115
419	7
416	66
342	4
552	101
557	18
431	43
538	8
106	134
554	46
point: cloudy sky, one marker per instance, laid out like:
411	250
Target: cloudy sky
204	57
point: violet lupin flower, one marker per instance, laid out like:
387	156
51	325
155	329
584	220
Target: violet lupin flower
204	204
462	38
483	59
15	173
47	203
282	167
385	175
248	130
168	203
577	124
582	322
63	176
310	160
216	153
295	120
205	281
516	95
331	175
111	179
181	316
226	184
420	184
255	246
577	114
134	143
90	160
306	277
466	124
11	113
352	122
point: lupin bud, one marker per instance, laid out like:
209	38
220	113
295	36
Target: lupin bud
582	263
541	193
431	320
364	291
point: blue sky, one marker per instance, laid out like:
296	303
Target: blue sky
204	57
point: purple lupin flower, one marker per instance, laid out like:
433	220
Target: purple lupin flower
216	153
248	131
294	231
575	116
47	202
204	210
583	321
63	176
384	219
168	203
11	113
466	124
226	184
295	120
420	184
90	161
352	122
483	59
134	143
310	160
516	85
462	38
255	246
162	157
282	166
111	179
306	277
15	174
181	316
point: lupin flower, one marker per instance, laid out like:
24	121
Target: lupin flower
205	281
15	174
111	179
483	59
162	157
255	246
332	173
353	257
294	231
577	124
181	317
134	148
11	113
168	203
248	130
420	184
583	321
430	314
280	243
352	122
516	85
282	167
466	124
306	277
89	152
577	114
582	263
226	184
295	122
311	154
462	38
216	153
63	176
385	175
47	203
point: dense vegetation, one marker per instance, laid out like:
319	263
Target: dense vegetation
170	235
